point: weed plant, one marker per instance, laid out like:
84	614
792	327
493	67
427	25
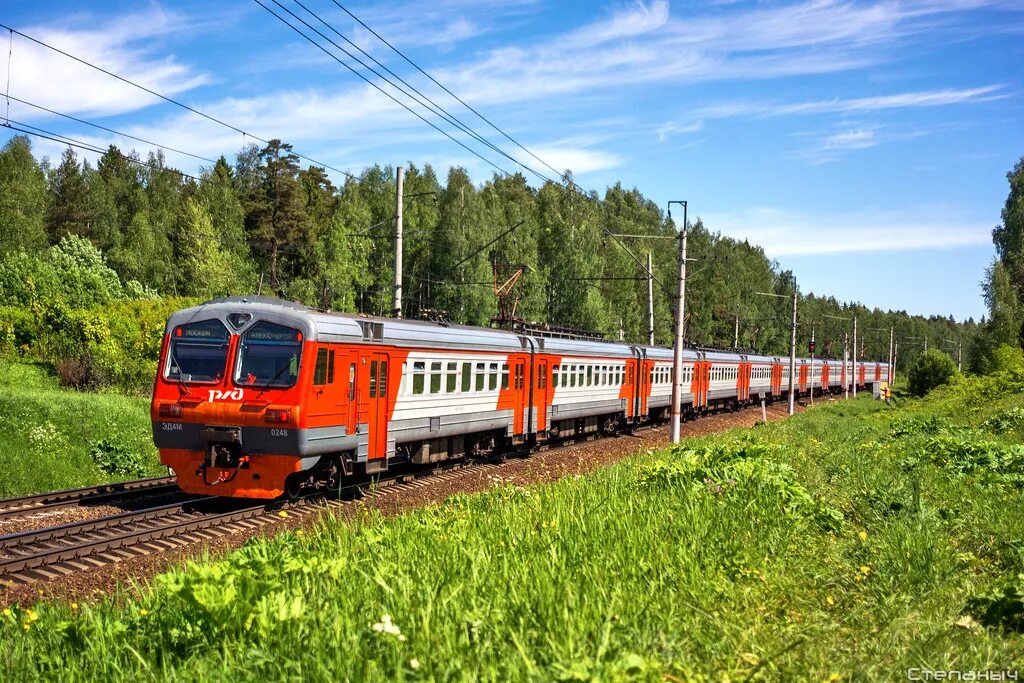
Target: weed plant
851	542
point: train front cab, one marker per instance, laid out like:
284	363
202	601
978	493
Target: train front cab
247	403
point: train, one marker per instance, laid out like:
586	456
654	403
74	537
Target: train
257	397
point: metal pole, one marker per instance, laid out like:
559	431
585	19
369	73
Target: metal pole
677	350
736	333
855	356
396	305
812	365
792	356
650	301
895	351
846	365
891	332
926	342
959	355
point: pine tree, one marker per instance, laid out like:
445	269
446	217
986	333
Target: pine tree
68	208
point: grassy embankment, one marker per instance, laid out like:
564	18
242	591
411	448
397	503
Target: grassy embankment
56	439
851	542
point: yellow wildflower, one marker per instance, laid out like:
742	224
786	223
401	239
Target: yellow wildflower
830	600
282	514
863	535
74	607
865	569
143	612
32	615
7	611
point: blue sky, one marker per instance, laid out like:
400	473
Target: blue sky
863	144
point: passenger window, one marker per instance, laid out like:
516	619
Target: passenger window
383	379
419	369
435	377
467	377
504	375
320	370
493	383
330	368
554	376
579	376
542	376
572	376
352	381
373	379
590	376
453	379
480	373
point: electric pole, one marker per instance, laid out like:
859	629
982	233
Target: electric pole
891	339
855	356
792	355
812	364
736	332
396	306
846	364
650	301
677	349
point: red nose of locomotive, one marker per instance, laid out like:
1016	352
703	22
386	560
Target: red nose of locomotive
226	411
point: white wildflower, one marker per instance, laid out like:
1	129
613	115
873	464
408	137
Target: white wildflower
385	625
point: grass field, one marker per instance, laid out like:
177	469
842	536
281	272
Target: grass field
852	542
57	439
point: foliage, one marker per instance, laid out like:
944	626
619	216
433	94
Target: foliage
50	433
266	223
704	562
931	369
118	460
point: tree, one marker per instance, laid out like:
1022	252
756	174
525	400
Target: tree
206	268
217	194
931	369
22	197
1009	237
68	208
276	214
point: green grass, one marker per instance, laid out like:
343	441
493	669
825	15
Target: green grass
846	541
57	439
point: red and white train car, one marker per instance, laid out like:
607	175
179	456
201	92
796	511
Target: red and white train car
257	397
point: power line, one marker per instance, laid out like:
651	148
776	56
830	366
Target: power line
364	78
440	85
72	142
111	130
165	98
430	104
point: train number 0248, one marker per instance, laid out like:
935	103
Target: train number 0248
279	432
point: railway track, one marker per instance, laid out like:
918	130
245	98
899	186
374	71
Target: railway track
43	554
104	494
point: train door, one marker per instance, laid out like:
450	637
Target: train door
373	401
802	378
540	400
702	368
776	388
645	384
519	393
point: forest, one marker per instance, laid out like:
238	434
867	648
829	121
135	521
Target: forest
78	237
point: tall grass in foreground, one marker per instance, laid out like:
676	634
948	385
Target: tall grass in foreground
52	438
842	544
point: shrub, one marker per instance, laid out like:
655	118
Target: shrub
81	372
931	369
1003	607
117	460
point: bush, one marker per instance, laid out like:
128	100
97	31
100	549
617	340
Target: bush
931	369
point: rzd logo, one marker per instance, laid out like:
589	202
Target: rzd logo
218	395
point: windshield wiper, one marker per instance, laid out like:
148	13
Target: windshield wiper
183	387
274	378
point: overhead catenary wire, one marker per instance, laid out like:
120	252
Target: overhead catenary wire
111	130
165	98
28	129
444	88
416	95
367	80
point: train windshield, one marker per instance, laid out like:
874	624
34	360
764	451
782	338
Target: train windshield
268	356
198	352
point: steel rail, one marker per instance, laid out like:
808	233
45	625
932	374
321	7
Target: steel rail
51	500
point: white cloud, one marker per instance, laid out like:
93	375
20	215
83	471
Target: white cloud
905	100
787	233
564	156
45	77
